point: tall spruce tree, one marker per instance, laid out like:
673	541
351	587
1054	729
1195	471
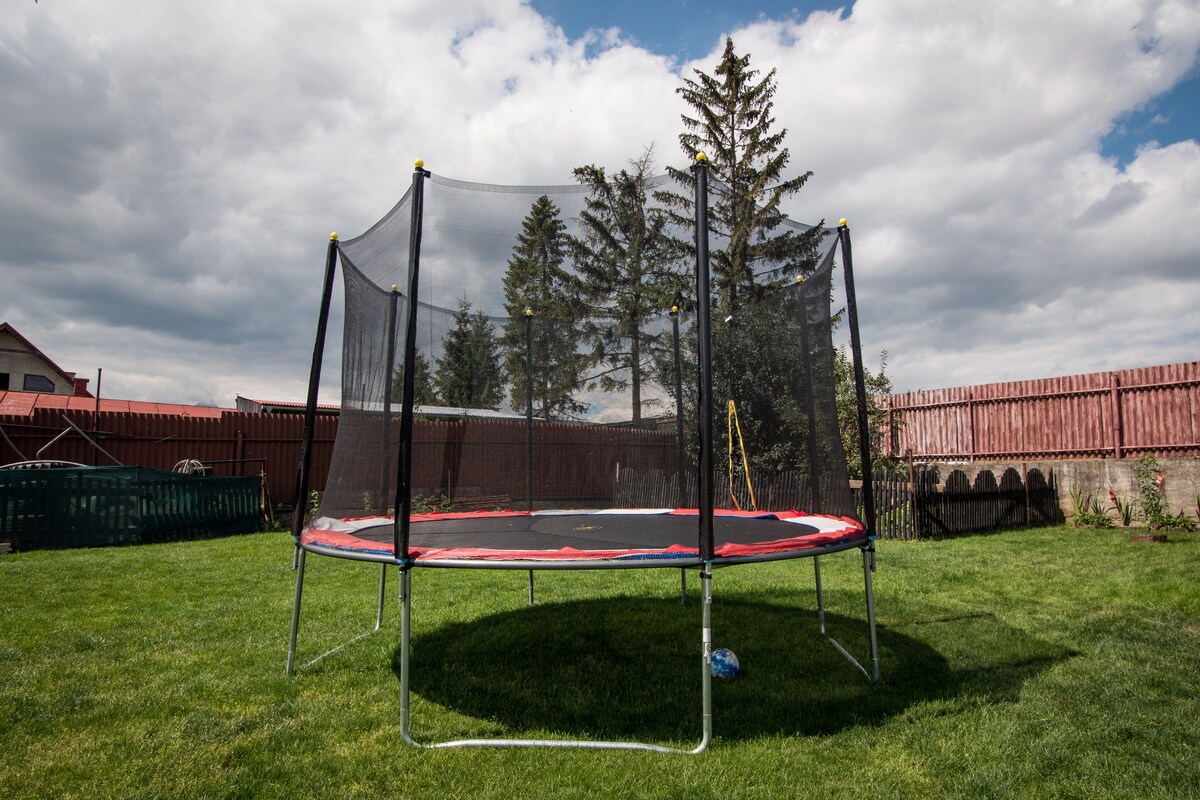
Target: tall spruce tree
468	372
747	161
424	393
630	271
537	280
753	254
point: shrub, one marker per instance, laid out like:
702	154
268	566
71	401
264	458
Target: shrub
1151	481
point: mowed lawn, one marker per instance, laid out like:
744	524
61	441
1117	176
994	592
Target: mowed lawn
1043	663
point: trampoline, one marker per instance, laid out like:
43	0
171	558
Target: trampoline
509	433
585	539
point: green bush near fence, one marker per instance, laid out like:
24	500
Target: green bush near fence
97	506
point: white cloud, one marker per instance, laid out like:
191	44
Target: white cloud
169	173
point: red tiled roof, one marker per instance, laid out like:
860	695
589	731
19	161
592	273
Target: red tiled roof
22	404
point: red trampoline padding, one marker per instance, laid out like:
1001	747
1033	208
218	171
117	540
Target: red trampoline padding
611	535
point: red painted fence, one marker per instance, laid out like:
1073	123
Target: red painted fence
161	441
1122	414
574	461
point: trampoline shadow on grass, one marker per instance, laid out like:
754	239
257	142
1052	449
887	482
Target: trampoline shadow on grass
625	668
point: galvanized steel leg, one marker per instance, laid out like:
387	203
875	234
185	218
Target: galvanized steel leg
530	587
291	655
405	636
405	668
869	567
820	597
382	592
706	661
683	586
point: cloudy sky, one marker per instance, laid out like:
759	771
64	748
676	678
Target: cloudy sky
1022	178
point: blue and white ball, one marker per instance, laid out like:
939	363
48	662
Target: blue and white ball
725	664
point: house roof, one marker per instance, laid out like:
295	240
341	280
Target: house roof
271	405
23	404
266	406
69	376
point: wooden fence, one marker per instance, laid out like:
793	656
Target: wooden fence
574	461
1123	414
931	503
240	444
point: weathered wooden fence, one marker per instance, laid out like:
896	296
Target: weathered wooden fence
1129	413
244	444
932	503
945	504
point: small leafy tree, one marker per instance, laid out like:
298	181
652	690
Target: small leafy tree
537	280
1151	482
879	388
468	372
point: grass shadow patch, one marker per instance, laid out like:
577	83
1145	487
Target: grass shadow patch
629	667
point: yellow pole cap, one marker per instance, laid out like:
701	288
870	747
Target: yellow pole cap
395	288
799	279
528	311
420	162
842	222
674	309
333	237
701	157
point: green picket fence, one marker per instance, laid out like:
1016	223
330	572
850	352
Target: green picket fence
97	506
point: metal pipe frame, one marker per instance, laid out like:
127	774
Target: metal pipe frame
706	575
406	672
293	634
868	552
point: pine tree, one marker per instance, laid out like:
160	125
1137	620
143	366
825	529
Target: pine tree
630	270
537	280
747	162
424	393
468	372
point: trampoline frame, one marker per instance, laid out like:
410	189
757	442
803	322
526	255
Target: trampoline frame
706	560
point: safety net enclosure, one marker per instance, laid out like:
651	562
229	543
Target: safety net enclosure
542	377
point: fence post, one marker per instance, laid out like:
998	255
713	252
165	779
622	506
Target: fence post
1116	414
971	424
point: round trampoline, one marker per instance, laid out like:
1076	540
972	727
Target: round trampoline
583	539
487	382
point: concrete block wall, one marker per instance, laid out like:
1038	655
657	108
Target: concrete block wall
1098	476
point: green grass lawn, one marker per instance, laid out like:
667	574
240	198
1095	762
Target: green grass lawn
1044	663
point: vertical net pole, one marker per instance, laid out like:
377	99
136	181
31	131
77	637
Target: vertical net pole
529	409
385	439
402	523
314	383
704	351
681	487
815	502
860	385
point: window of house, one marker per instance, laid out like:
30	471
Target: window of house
3	381
38	383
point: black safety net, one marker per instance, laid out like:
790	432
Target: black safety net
555	358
